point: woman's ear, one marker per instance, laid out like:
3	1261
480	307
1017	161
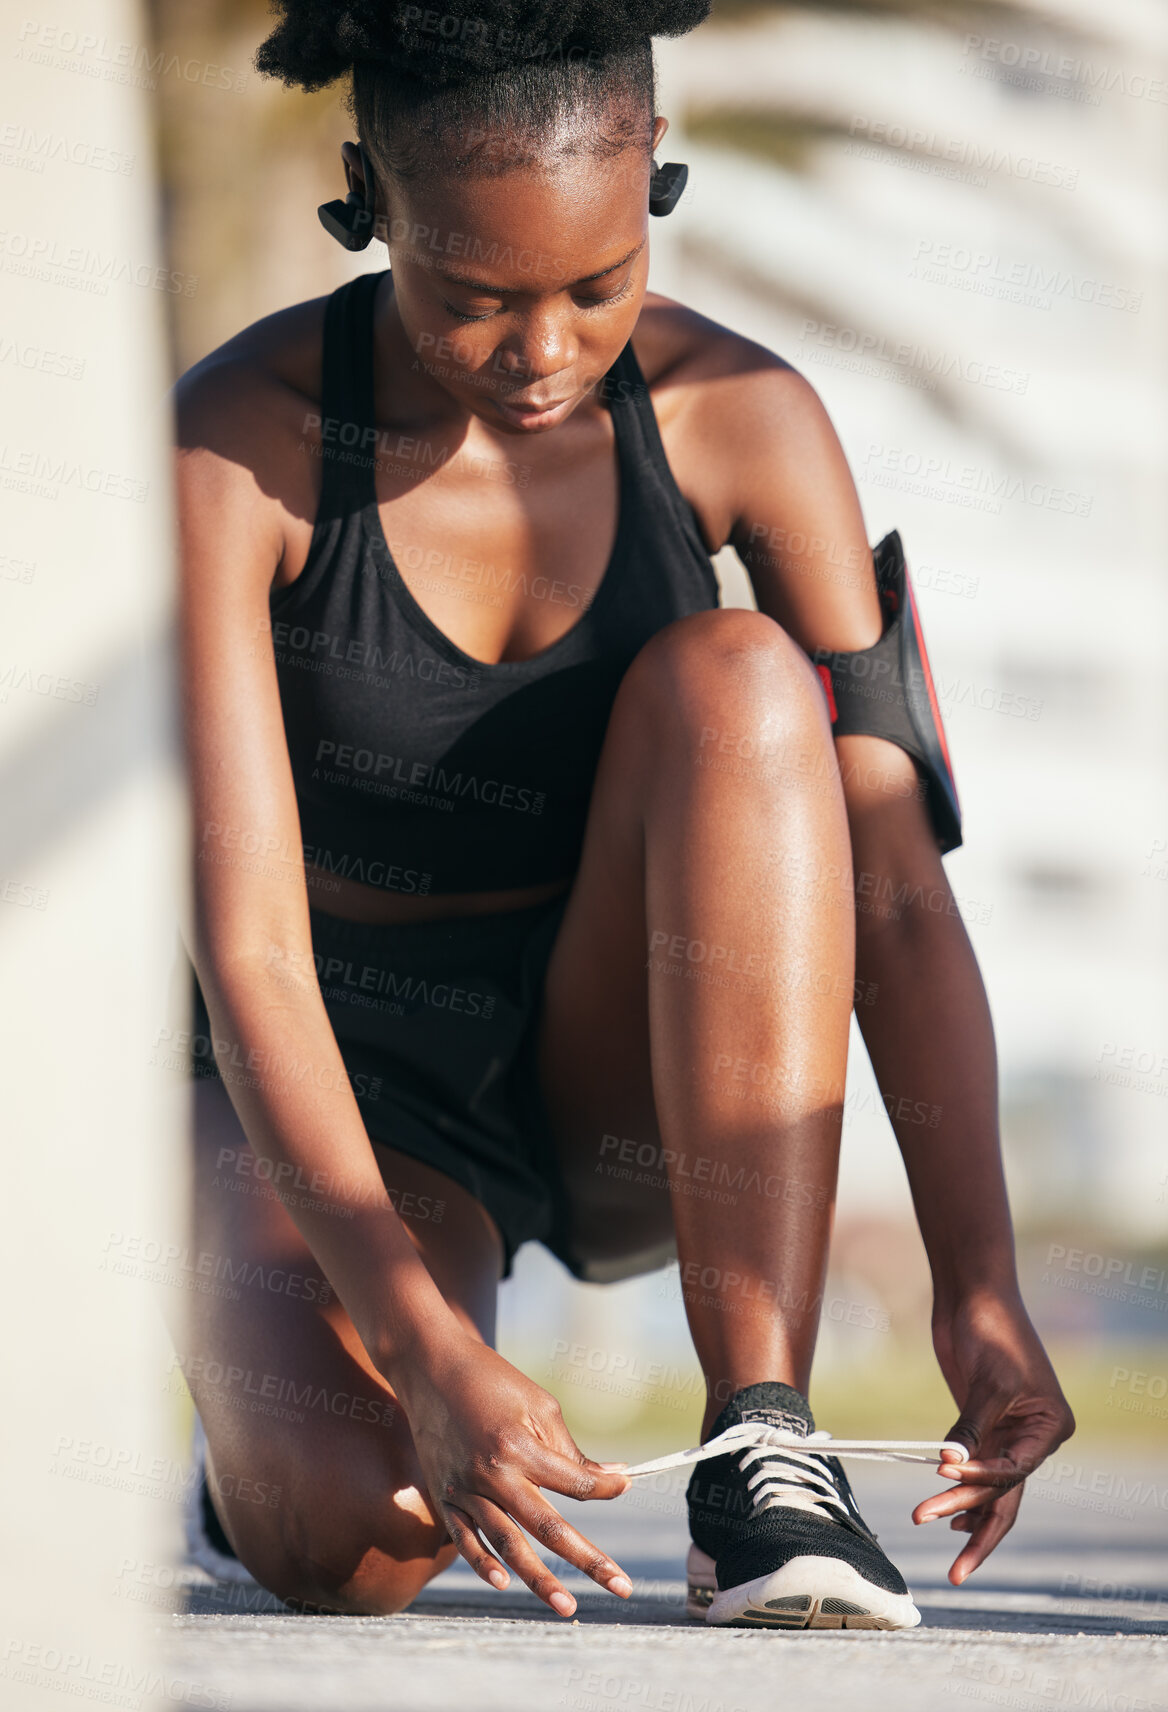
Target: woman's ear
365	184
660	126
355	176
351	222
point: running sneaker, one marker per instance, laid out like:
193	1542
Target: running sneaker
778	1539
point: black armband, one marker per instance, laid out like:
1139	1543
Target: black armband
887	691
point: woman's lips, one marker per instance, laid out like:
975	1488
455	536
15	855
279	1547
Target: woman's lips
529	416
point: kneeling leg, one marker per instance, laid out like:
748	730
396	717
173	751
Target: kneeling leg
310	1460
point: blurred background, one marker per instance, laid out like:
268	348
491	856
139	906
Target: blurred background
951	218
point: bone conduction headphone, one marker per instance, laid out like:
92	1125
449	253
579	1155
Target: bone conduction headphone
351	222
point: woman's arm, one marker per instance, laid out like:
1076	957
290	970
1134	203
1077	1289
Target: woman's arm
252	946
929	1035
487	1437
926	1023
798	528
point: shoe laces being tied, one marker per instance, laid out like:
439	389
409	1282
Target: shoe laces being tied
789	1473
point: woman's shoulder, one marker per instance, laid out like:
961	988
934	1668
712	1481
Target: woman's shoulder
693	365
266	374
724	403
677	345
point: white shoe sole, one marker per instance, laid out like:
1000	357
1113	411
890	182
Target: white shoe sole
807	1593
700	1583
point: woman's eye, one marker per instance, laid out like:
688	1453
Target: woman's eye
613	297
583	303
462	315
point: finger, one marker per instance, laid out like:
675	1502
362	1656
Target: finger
1024	1435
545	1524
1031	1445
978	1428
967	1430
462	1531
1017	1455
964	1522
581	1479
990	1531
1000	1471
606	1479
505	1537
955	1499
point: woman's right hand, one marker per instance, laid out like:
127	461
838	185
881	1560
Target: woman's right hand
488	1438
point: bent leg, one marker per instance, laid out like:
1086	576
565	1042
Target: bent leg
310	1460
694	1032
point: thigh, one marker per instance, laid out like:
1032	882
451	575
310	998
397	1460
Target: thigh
310	1458
595	1057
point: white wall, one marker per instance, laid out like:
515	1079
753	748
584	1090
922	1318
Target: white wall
92	857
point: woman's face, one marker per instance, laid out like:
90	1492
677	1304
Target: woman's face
518	292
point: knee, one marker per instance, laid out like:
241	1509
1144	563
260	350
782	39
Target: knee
725	675
371	1561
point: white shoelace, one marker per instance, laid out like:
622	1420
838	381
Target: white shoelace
807	1485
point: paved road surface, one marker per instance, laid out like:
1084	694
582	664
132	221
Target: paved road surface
1071	1612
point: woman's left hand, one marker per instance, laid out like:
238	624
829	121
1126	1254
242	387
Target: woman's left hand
1013	1415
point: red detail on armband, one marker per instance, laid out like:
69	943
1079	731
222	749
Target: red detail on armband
825	678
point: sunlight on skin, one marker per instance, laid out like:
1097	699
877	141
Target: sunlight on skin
410	1499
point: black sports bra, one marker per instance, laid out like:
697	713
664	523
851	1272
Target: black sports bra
417	767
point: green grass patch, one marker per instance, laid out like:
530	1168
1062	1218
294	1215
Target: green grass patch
1111	1388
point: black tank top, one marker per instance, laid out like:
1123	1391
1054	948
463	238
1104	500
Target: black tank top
417	767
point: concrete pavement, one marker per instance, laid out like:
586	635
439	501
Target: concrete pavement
1070	1612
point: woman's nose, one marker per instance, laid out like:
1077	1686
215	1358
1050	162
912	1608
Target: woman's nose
542	345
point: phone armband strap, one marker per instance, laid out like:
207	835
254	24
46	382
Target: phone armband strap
888	691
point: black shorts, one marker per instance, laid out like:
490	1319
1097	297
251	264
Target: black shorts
436	1025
